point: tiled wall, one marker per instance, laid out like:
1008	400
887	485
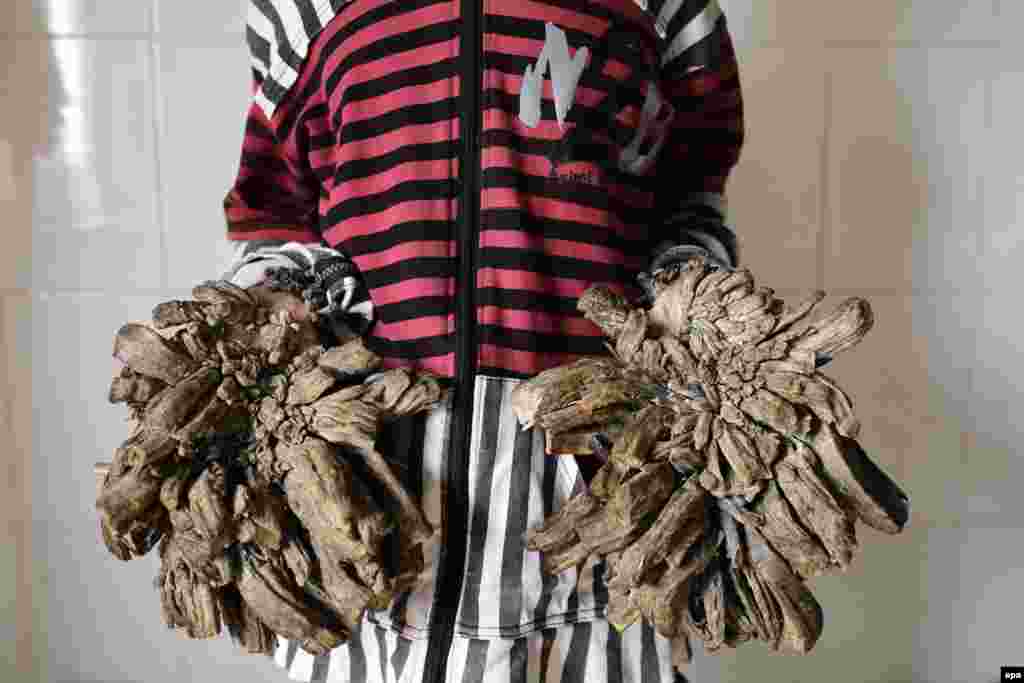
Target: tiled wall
882	160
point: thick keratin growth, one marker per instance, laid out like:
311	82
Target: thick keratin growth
252	467
733	472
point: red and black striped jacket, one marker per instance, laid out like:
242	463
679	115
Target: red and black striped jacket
480	186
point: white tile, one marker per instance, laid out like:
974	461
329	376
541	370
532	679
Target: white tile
739	16
94	191
924	21
774	193
1010	14
933	604
1004	183
905	158
917	20
994	457
66	376
92	16
1004	179
15	507
874	618
907	380
995	453
177	20
103	615
973	577
206	99
792	22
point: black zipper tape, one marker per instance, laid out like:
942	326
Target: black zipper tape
455	513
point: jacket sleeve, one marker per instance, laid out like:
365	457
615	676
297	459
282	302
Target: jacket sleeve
699	78
274	198
275	195
272	213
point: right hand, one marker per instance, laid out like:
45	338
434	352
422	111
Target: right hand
280	301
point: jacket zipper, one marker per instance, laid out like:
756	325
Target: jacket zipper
455	513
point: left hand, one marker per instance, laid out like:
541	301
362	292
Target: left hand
646	278
278	300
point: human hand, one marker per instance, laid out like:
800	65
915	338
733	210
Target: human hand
280	300
311	282
676	258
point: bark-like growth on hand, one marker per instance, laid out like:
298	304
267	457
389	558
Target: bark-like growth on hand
733	473
252	465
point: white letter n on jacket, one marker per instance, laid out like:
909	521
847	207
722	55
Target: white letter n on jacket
565	75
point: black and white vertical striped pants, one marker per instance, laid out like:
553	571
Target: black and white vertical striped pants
514	624
588	651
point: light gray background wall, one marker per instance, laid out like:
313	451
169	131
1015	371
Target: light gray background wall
883	160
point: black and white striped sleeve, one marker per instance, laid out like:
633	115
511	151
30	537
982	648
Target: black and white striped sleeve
698	71
279	33
327	279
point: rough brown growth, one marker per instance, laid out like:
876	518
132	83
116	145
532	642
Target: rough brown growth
731	468
250	466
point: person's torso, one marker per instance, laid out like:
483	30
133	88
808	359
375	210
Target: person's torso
554	194
556	188
512	486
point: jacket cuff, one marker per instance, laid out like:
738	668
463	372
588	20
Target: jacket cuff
698	226
715	242
327	279
681	253
242	250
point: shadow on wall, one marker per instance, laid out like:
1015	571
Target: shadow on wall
32	96
35	102
885	206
